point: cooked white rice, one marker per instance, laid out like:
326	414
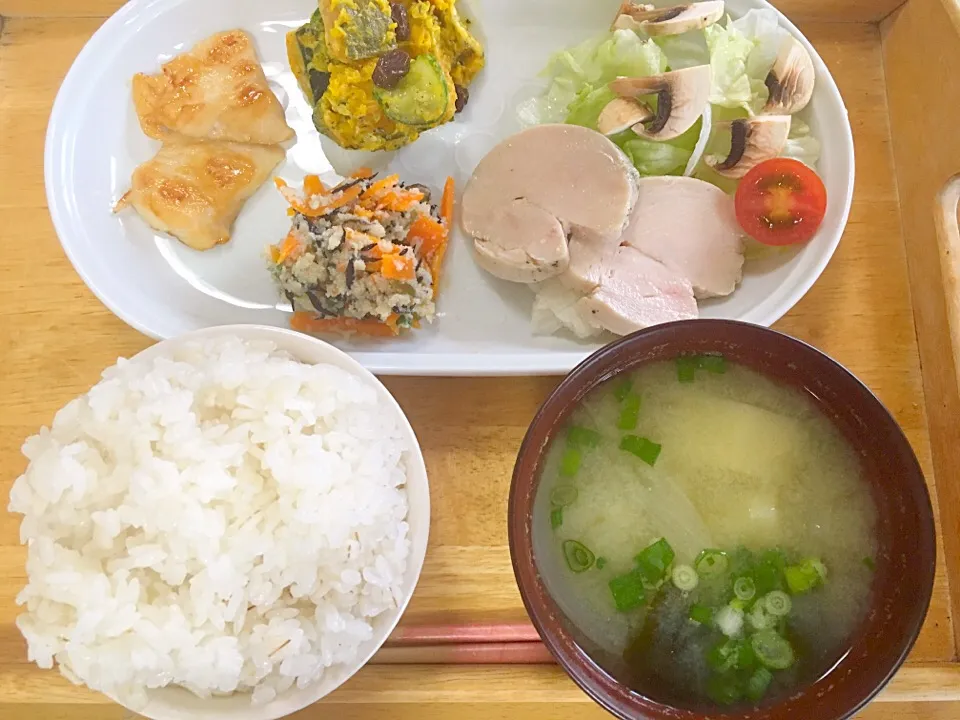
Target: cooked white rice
228	519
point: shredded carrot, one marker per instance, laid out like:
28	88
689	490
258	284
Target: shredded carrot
380	185
430	234
400	201
398	267
312	185
290	249
336	201
280	183
362	173
309	323
377	253
291	212
446	203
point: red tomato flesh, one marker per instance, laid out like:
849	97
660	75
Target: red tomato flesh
781	202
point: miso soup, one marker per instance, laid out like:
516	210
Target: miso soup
708	532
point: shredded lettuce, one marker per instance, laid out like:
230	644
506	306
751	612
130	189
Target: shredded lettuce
684	51
575	72
801	144
729	51
586	108
741	55
763	27
656	158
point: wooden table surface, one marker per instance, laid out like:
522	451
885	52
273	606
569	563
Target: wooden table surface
55	338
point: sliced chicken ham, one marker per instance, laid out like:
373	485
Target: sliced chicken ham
691	227
636	292
540	181
561	203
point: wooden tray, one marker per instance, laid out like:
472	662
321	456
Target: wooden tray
893	65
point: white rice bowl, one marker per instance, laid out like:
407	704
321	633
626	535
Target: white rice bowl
219	516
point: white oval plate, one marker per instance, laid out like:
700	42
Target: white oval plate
164	289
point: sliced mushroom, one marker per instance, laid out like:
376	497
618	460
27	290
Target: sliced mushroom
622	114
682	96
670	20
791	79
753	140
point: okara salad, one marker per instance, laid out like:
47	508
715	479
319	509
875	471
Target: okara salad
363	257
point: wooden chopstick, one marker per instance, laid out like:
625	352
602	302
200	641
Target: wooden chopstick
489	653
463	634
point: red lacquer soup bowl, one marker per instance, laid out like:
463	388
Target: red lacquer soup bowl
906	550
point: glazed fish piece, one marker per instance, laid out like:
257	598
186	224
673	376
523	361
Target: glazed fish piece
217	91
195	191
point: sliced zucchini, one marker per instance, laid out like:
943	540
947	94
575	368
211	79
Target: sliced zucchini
309	59
421	99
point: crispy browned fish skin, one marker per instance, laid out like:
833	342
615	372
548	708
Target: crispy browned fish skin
194	191
217	91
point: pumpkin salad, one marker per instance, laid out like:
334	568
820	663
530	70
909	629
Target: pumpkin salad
362	257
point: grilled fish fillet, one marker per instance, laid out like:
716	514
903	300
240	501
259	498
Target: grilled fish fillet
195	191
217	91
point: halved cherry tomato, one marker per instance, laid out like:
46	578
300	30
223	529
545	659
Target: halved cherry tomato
781	202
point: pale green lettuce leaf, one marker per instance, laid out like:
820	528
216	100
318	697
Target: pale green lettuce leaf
650	157
763	27
587	66
729	51
586	108
656	158
801	144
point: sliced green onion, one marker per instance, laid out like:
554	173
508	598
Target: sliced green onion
623	389
759	618
729	620
582	437
563	495
729	654
870	564
556	518
629	412
701	614
570	462
654	561
778	603
772	649
685	578
768	572
601	563
758	684
712	563
722	657
712	363
687	368
628	591
578	556
646	450
724	689
744	588
805	577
